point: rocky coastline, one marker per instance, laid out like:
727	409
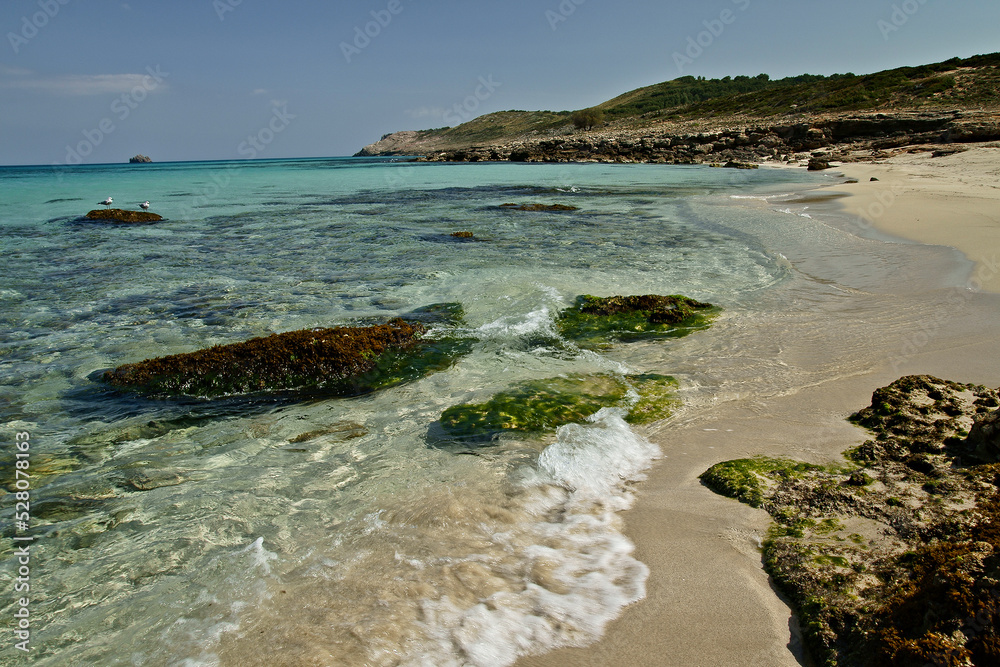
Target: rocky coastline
731	141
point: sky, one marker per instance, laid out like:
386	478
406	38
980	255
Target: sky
98	81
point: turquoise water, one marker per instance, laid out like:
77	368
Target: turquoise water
352	531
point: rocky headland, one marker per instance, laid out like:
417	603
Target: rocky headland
737	121
732	141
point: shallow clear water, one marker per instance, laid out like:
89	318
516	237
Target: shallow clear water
353	531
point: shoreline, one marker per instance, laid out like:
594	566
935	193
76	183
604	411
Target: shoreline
919	197
709	601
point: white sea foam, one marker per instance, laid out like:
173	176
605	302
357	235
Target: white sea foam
753	197
588	572
594	459
536	322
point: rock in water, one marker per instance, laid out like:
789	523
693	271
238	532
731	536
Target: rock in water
538	207
120	215
594	321
541	405
342	360
138	159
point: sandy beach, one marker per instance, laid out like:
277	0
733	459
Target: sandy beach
951	200
709	601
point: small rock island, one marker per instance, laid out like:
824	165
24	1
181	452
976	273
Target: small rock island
139	159
122	216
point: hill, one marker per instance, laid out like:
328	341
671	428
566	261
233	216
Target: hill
935	93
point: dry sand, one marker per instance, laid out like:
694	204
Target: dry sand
709	602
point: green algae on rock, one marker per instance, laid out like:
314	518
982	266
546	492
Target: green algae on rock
122	216
895	562
747	479
657	397
595	321
542	405
341	360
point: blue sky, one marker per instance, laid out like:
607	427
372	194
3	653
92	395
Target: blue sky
101	80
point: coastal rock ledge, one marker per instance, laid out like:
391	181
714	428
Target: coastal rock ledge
892	556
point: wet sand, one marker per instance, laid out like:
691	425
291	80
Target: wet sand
709	601
952	200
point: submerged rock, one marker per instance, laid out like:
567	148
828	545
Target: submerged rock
538	207
543	405
120	215
893	558
595	320
338	361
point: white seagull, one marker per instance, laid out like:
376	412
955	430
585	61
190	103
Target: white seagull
144	205
106	202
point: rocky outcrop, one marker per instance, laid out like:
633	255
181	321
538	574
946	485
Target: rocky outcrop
984	439
893	558
139	159
118	215
736	140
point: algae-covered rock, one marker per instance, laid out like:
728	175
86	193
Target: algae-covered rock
657	398
335	359
537	405
122	216
343	361
747	479
895	562
543	405
594	321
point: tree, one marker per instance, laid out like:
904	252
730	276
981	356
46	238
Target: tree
586	119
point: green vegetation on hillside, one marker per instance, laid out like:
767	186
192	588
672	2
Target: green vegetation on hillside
957	83
973	80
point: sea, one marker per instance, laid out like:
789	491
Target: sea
355	530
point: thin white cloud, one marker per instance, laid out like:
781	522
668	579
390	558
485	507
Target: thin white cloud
260	91
7	70
76	85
